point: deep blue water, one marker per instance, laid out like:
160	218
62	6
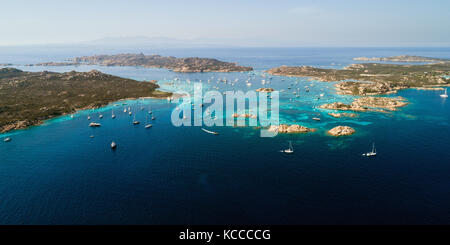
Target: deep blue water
57	174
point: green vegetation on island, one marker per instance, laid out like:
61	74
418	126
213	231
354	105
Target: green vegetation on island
373	78
28	98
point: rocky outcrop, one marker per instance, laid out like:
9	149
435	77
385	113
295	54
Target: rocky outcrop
341	131
366	88
265	90
344	114
18	125
245	115
368	104
343	107
289	129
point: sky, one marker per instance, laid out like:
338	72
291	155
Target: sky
280	23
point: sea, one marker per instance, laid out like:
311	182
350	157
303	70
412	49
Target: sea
56	173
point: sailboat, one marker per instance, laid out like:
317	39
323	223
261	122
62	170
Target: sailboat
210	132
372	153
113	145
147	125
93	124
7	139
445	94
112	114
290	150
135	122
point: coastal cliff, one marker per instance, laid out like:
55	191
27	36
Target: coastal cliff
29	98
191	64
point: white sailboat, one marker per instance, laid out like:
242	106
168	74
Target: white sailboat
112	114
445	94
135	122
147	125
372	153
290	150
7	139
210	132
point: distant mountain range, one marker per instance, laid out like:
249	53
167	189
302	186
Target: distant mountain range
158	42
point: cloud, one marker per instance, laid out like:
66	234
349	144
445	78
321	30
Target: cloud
306	10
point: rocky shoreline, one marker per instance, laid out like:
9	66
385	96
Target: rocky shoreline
191	64
402	58
265	90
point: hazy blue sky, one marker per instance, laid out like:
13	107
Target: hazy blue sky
259	23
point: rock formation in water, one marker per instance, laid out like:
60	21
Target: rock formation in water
341	131
294	128
265	90
368	103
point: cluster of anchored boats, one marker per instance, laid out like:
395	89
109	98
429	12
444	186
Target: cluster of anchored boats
130	113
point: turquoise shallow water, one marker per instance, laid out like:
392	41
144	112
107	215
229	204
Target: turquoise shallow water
57	174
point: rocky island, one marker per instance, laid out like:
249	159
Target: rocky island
341	131
28	98
368	103
344	114
402	58
265	90
373	78
191	64
294	128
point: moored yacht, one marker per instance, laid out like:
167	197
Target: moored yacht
135	122
371	153
290	150
445	94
